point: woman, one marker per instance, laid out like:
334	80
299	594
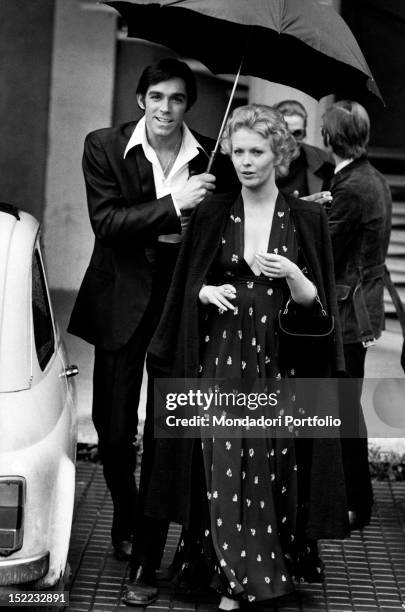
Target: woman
242	259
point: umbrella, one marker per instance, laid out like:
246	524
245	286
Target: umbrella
301	43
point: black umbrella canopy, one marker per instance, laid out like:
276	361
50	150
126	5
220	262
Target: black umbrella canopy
300	43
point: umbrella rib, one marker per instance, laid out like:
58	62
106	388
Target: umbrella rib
228	108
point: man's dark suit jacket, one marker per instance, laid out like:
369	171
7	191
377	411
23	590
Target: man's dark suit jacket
127	219
319	170
360	225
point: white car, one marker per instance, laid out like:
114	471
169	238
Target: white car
38	424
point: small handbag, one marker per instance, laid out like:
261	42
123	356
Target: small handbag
306	325
305	340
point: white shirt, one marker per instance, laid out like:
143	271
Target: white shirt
179	173
342	165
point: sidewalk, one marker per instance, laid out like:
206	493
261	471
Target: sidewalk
364	573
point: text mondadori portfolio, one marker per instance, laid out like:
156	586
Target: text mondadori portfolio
249	421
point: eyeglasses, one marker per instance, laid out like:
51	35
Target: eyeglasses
299	134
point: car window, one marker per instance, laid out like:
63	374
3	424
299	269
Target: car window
41	312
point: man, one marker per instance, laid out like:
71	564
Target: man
312	169
360	224
142	181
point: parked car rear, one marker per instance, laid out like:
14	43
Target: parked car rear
38	425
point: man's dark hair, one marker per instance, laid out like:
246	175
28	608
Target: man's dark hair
347	126
164	70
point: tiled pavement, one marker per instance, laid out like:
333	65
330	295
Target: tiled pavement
363	573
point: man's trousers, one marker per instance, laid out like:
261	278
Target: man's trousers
116	389
354	446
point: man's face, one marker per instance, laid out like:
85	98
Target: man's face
164	104
296	127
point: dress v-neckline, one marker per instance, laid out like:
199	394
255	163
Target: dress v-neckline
240	205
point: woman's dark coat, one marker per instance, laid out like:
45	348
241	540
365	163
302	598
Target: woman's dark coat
174	351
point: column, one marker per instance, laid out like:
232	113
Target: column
80	101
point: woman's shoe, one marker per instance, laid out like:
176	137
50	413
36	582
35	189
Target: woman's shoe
233	605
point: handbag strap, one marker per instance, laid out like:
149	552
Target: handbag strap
317	299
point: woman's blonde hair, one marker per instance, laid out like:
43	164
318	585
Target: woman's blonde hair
267	122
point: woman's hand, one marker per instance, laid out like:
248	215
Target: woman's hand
277	266
321	197
303	291
219	296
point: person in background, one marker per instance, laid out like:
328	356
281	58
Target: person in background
360	225
142	181
311	169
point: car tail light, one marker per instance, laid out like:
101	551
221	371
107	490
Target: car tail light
12	500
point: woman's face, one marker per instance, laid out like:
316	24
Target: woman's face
253	158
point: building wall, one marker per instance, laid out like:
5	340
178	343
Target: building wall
26	33
80	101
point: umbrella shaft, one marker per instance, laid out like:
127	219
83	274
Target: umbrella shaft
228	108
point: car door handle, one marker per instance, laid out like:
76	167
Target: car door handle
70	370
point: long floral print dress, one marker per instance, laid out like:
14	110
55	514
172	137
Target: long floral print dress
250	529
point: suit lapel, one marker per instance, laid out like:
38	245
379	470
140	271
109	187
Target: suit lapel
141	169
198	164
314	165
140	172
334	182
314	182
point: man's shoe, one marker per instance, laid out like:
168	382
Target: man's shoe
141	589
358	520
122	549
